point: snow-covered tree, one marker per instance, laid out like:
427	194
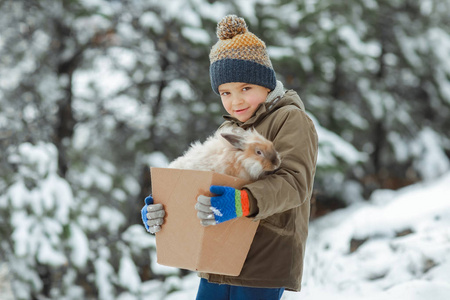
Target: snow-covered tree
373	72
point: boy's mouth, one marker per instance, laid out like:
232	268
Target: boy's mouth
240	111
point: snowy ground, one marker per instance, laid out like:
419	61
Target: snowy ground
401	249
5	284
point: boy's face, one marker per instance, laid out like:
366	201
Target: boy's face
241	100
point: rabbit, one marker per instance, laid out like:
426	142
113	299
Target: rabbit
236	152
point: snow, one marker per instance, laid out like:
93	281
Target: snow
104	274
112	81
57	197
150	19
98	176
279	52
388	265
157	159
81	138
39	213
160	269
128	274
213	11
247	10
32	159
414	290
138	237
409	48
432	160
106	214
179	87
379	102
131	185
437	36
123	58
80	245
5	284
188	288
123	107
47	254
332	147
427	148
349	35
196	35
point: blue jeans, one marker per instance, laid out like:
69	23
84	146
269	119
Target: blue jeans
214	291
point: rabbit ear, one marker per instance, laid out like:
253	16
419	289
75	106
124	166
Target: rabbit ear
235	140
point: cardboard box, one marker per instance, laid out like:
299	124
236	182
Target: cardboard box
183	242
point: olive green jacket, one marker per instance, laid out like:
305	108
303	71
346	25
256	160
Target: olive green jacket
281	201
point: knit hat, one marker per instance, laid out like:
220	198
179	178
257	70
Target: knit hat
239	56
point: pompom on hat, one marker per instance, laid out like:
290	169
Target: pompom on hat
239	56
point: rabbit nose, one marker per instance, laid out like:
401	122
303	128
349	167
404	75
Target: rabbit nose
275	159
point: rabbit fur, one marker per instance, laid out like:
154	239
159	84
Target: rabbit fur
236	152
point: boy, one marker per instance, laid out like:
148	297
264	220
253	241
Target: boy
242	74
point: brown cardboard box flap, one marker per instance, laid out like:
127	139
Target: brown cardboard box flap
183	242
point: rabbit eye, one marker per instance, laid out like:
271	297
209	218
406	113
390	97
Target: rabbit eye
259	152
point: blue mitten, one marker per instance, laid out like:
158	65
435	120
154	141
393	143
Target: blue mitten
228	203
148	200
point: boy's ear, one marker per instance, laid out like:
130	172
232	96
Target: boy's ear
235	140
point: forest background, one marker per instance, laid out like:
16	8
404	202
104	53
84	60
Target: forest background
93	93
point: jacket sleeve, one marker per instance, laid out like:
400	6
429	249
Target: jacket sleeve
295	138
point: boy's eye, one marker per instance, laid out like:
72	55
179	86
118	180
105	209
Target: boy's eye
224	93
246	88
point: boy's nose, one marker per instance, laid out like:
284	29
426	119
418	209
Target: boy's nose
237	100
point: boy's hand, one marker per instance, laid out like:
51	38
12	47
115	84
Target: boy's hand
228	204
204	212
152	215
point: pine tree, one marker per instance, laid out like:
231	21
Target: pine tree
374	73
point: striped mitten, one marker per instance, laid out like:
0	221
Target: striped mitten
228	203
